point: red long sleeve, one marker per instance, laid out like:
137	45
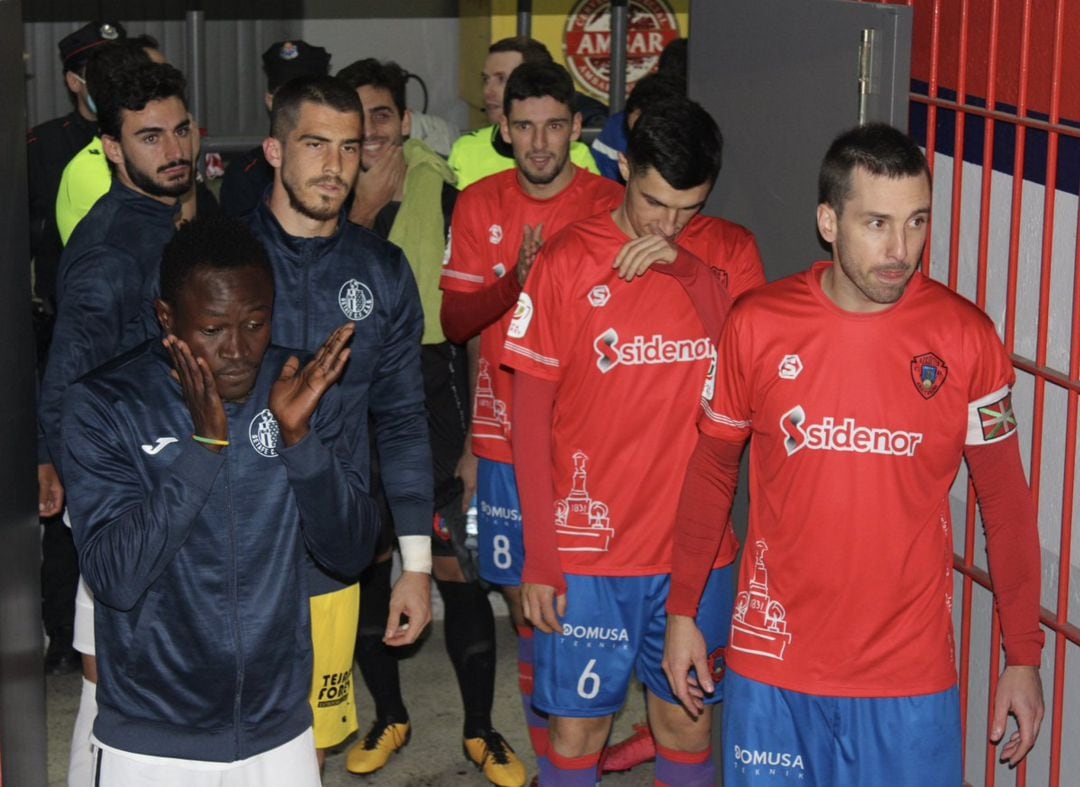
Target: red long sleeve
534	401
465	314
705	285
707	493
1012	545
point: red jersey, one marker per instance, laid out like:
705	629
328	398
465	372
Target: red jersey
631	361
486	234
859	423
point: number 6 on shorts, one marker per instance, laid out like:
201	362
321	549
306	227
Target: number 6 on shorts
588	685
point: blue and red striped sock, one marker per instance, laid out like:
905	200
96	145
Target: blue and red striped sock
538	723
684	768
557	771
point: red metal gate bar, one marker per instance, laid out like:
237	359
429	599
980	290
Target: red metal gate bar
1043	375
1008	117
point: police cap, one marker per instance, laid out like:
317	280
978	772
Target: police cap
287	60
76	47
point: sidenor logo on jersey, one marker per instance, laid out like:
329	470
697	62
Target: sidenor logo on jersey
844	435
653	350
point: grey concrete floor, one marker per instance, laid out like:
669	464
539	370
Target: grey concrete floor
433	756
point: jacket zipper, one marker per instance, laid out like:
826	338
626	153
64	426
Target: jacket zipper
234	594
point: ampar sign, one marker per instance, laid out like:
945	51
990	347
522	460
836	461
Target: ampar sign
587	42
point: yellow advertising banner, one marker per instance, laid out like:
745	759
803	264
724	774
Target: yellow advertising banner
578	35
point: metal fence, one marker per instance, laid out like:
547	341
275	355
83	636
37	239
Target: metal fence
993	105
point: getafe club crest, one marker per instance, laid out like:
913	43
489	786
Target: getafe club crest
928	372
355	299
263	432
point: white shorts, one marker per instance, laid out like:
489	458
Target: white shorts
83	638
292	764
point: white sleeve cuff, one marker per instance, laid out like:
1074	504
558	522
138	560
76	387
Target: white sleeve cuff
415	553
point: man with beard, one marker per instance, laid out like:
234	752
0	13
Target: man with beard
405	191
248	176
108	279
860	403
622	311
498	227
326	267
485	151
204	469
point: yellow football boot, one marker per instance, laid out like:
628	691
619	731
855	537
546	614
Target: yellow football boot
493	755
383	739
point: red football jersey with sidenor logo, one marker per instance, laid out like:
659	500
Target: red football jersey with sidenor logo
485	237
632	362
859	424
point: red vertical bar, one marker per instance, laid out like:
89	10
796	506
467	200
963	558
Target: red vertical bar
992	684
967	599
955	230
958	151
1047	258
931	110
988	157
932	89
1065	547
1018	181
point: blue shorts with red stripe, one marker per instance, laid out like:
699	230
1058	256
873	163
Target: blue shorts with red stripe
614	627
774	736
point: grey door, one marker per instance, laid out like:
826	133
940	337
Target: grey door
781	77
22	691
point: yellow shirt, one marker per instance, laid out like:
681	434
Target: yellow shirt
473	157
86	179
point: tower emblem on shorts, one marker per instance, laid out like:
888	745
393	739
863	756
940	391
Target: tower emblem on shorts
487	410
355	299
582	523
759	624
263	432
928	372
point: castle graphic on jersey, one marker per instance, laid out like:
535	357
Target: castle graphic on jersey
759	624
487	410
582	523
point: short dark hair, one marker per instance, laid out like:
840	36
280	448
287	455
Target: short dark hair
131	89
652	88
673	59
531	50
212	243
323	90
678	139
878	148
386	76
105	61
539	80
